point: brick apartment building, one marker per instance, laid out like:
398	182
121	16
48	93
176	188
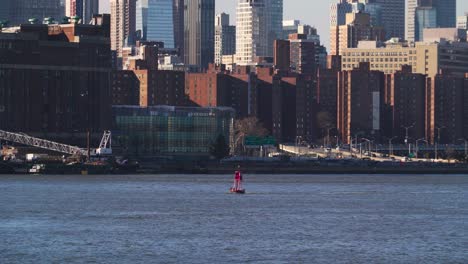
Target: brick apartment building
55	79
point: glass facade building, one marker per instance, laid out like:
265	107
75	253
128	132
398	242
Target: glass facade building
170	130
426	17
160	22
141	18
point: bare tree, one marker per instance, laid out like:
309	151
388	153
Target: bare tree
249	126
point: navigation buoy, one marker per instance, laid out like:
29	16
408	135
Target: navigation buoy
237	187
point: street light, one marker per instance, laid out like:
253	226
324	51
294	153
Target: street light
390	145
417	146
437	142
328	136
407	137
369	148
466	146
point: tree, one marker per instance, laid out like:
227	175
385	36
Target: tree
451	154
220	149
249	126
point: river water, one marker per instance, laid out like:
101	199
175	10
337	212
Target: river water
192	219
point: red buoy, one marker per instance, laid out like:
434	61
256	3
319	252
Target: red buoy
237	187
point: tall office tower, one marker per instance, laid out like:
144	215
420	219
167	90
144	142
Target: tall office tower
259	23
82	8
20	11
179	25
123	24
160	22
445	11
338	13
225	37
426	17
357	28
141	19
374	9
392	15
199	32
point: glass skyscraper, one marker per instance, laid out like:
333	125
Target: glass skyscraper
160	22
141	18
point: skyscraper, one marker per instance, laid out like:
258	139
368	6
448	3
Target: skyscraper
199	32
82	8
141	19
445	12
393	18
160	22
123	25
20	11
259	23
178	17
225	37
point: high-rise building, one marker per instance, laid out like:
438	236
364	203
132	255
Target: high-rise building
302	55
393	18
338	13
55	79
259	24
360	102
426	17
225	37
179	25
160	22
85	9
199	32
123	24
20	11
141	19
357	28
419	12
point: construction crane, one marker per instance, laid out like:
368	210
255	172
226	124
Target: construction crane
105	147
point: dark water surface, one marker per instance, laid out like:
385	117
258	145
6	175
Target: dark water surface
192	219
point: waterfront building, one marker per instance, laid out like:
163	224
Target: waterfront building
360	103
446	114
225	37
405	99
123	24
55	79
85	9
259	24
199	32
171	131
160	22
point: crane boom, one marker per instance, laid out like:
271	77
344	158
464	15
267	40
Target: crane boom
41	143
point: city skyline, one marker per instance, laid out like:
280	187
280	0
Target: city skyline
296	11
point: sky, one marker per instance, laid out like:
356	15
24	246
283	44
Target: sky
312	12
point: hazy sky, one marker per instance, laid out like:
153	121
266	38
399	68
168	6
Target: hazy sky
312	12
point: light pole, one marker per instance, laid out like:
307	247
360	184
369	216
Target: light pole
369	148
437	142
417	146
407	137
298	141
466	146
328	136
390	145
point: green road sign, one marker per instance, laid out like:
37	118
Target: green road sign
253	141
